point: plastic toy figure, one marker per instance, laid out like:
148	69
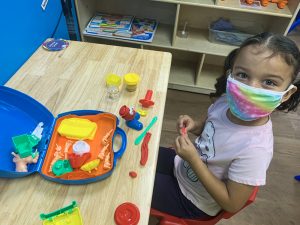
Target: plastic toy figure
21	163
131	117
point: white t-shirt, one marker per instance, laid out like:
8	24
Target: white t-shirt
230	151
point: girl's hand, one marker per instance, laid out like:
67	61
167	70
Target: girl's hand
186	122
185	148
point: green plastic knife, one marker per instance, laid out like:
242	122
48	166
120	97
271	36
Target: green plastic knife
142	135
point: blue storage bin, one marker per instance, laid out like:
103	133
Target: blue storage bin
232	37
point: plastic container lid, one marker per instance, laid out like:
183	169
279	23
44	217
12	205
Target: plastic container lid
131	78
55	44
127	214
113	79
81	147
77	128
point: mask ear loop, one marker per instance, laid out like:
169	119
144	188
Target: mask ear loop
289	88
286	91
228	73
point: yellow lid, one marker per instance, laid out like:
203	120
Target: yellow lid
113	79
131	78
77	128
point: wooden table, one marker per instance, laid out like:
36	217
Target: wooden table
73	79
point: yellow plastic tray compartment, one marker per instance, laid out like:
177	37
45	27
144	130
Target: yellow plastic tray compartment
77	128
66	218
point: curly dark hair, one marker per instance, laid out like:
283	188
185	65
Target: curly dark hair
277	43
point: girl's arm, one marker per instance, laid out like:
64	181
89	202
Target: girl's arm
199	125
230	195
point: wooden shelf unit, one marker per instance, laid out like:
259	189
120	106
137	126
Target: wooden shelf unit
197	62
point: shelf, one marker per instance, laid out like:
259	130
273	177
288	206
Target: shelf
271	9
208	76
162	37
234	5
182	77
197	41
204	3
196	62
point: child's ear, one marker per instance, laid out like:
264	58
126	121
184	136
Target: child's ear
287	95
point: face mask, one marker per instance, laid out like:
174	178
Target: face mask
249	103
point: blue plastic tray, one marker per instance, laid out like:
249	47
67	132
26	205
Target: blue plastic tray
20	114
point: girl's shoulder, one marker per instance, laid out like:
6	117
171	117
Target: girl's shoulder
218	103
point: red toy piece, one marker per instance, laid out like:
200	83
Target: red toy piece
133	174
127	214
183	131
77	161
144	149
146	102
127	113
131	117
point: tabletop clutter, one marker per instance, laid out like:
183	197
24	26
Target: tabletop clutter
74	144
81	145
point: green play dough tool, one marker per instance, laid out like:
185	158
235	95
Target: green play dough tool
142	135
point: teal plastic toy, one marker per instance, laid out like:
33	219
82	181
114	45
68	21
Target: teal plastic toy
61	167
143	134
69	215
24	144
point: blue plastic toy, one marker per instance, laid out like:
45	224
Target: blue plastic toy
132	117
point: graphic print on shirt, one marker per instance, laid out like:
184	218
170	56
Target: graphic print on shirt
189	172
205	144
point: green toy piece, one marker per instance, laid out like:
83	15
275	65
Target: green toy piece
67	215
61	167
24	144
142	135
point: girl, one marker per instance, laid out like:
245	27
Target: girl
234	146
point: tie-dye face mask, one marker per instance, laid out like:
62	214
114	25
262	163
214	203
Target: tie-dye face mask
249	103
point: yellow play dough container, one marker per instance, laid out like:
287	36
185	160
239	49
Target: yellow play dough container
131	81
113	80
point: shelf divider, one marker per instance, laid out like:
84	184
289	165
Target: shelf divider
176	24
199	68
